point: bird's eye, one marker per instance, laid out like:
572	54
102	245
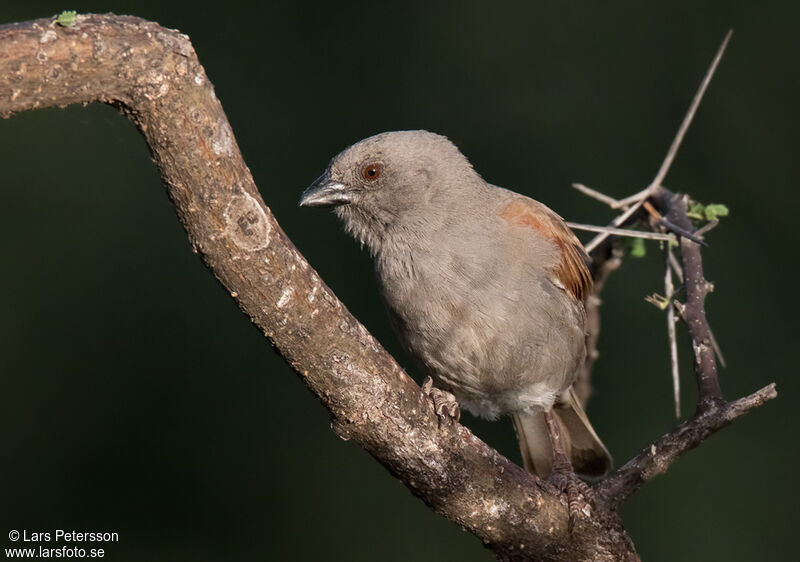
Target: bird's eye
372	171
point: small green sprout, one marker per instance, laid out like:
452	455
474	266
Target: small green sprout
636	248
658	301
716	210
696	211
710	212
67	18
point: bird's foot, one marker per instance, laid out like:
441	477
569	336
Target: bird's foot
580	497
444	403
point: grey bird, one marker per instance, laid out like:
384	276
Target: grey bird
485	289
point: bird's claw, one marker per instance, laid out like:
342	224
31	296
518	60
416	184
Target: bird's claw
444	403
580	497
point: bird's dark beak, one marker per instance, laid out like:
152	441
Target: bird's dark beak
325	192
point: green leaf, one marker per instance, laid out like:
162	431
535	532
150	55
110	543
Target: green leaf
67	18
636	248
697	212
715	210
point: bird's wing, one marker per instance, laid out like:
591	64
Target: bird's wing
572	270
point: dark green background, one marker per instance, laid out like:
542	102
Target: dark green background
135	397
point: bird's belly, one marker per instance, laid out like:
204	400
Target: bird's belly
482	352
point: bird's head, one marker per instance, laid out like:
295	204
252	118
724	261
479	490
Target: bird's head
390	182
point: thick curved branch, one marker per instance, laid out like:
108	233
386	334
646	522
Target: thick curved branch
152	74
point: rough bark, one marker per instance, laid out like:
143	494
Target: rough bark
658	457
153	76
713	411
694	310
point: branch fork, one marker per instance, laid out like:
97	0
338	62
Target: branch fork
669	211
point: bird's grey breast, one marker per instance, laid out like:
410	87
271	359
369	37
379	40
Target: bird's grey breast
474	306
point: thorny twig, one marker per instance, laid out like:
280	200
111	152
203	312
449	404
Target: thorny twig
638	198
706	227
643	234
657	217
594	194
669	292
713	411
659	456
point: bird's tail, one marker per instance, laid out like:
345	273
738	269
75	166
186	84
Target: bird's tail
587	453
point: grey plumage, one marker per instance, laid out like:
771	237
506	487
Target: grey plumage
484	287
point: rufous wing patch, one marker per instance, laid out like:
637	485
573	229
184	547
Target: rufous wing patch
572	269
